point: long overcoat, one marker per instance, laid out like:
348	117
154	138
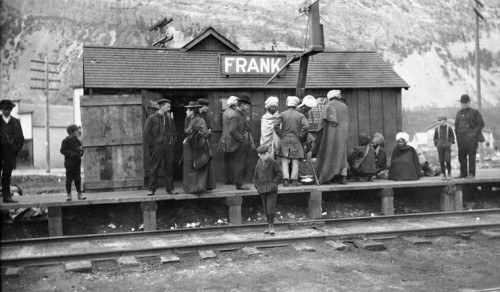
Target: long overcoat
330	148
291	127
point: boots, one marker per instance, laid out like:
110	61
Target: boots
343	180
285	182
68	197
295	183
271	223
271	229
444	176
81	197
266	231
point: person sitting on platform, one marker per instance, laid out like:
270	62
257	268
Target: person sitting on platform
266	179
443	138
362	159
198	173
72	149
380	155
404	161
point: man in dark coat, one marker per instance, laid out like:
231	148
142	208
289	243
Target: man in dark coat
205	114
468	126
240	132
159	135
12	140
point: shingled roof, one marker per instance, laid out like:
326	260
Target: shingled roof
159	68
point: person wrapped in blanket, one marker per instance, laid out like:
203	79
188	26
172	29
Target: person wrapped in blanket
361	160
381	170
404	162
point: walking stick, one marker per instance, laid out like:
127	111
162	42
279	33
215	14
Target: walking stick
314	171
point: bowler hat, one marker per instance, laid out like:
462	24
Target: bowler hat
244	98
262	149
6	104
465	98
203	101
162	101
193	104
71	128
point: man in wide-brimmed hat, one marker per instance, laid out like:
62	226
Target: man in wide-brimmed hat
240	130
159	135
12	140
468	126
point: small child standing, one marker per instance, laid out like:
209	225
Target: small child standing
443	138
72	149
266	178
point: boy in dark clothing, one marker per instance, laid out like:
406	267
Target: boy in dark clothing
267	176
443	138
72	149
362	159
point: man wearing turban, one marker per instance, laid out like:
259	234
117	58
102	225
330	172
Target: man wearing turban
292	128
268	136
330	149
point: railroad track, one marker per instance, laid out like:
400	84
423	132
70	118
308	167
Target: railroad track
224	238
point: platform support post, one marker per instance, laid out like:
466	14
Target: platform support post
459	204
234	204
447	198
387	201
55	221
149	215
314	207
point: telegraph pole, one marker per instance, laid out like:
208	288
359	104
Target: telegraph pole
479	5
46	88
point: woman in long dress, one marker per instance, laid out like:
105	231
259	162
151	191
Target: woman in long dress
198	172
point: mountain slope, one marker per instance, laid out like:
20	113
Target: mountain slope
429	43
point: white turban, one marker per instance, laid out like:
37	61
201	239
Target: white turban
271	101
404	136
292	101
309	101
335	93
232	100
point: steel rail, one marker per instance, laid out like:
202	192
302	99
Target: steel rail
228	246
241	228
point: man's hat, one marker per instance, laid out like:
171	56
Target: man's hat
162	101
193	104
6	104
71	128
442	118
262	149
203	101
465	98
245	98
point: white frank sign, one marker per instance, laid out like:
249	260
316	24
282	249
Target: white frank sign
251	64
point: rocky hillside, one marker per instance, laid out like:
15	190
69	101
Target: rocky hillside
429	43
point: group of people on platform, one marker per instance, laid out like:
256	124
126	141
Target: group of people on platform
287	150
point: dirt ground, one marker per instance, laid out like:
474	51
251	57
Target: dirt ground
448	264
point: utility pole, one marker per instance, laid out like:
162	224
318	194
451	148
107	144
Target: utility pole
479	5
46	88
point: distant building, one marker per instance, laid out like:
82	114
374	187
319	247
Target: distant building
421	140
32	117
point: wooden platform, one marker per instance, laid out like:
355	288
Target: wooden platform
451	197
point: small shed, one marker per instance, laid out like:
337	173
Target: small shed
121	85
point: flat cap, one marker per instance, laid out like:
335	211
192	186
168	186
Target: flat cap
442	118
262	149
164	100
71	128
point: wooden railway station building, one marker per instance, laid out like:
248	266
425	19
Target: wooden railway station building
122	84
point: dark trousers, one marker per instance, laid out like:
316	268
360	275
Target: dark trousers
73	175
269	202
241	164
161	156
229	167
444	154
467	147
7	162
